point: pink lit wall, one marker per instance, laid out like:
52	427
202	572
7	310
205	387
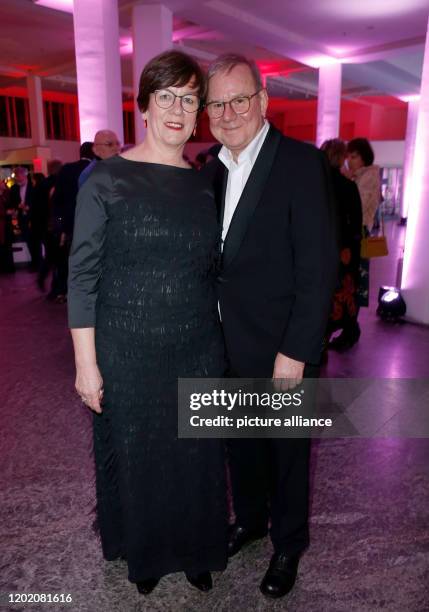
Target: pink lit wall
415	272
382	118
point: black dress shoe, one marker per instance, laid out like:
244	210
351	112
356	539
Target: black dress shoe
239	536
280	576
146	586
202	581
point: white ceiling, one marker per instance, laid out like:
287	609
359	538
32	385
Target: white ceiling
380	42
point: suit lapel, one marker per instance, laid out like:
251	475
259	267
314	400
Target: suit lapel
250	197
220	184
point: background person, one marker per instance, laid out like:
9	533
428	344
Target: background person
106	144
6	230
362	170
40	220
21	194
345	303
63	211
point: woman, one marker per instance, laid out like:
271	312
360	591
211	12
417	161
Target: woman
345	305
366	175
361	169
143	312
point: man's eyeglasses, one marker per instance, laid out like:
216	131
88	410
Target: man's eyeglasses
239	105
165	98
109	143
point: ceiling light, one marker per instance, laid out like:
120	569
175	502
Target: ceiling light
58	5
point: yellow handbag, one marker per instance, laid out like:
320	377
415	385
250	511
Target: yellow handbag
374	246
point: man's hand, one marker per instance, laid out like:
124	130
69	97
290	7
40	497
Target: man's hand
287	372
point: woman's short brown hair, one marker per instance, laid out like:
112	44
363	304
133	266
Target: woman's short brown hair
169	69
363	148
336	151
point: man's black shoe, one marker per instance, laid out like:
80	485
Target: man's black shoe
280	576
146	586
240	536
202	581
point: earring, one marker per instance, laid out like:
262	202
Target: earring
195	130
145	123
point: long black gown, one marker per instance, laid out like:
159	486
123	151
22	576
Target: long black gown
142	273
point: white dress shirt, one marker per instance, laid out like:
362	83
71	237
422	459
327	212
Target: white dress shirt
238	173
22	190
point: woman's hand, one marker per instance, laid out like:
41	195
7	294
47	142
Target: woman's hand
89	386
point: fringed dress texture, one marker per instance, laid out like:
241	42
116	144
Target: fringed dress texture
142	272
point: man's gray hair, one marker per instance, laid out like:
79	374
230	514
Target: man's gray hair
22	170
228	61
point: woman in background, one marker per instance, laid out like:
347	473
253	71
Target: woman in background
143	312
362	170
345	304
366	175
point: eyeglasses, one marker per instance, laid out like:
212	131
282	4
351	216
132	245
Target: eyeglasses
239	105
165	98
109	143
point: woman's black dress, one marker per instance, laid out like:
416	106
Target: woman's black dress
345	305
142	273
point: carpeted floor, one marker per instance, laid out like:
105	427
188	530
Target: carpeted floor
370	498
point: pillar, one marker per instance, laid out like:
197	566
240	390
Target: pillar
328	103
415	274
152	27
410	143
37	118
98	65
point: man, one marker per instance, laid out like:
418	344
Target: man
106	144
40	218
278	270
63	208
21	200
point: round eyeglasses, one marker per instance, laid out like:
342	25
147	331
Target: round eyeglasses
165	98
239	105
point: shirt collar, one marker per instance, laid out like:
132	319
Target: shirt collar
250	153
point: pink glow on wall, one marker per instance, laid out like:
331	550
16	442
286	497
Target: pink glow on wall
328	103
410	98
365	9
96	33
415	274
37	164
59	5
410	144
316	61
126	45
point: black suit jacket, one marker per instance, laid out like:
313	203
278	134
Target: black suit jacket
349	209
15	201
64	198
15	195
280	257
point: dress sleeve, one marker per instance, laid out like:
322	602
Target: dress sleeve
87	250
370	190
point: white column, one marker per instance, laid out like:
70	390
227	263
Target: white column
410	143
37	118
99	83
415	274
328	103
152	34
